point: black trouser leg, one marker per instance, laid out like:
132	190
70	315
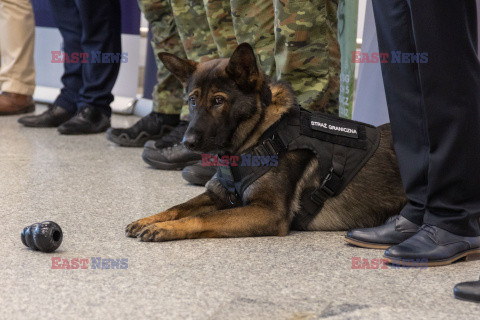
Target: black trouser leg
435	104
67	19
450	85
405	104
101	33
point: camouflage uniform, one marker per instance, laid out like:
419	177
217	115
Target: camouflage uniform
296	41
194	30
221	25
183	28
199	33
253	22
205	28
305	45
168	92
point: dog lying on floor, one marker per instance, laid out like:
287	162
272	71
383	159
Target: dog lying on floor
233	109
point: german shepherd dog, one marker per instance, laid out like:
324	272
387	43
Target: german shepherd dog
232	103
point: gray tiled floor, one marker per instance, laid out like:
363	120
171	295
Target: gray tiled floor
93	189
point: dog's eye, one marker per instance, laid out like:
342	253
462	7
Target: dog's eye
193	101
219	101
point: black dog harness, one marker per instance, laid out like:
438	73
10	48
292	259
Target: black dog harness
341	146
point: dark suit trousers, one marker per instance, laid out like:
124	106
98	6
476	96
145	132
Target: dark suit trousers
88	26
434	108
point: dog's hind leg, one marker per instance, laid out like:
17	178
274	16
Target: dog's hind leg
248	221
198	205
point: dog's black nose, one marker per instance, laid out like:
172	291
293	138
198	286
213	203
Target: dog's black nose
189	141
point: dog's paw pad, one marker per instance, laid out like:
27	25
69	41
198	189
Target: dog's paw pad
147	234
133	229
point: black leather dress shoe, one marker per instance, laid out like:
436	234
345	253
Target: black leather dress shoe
433	247
396	230
88	120
469	291
175	157
151	127
197	174
51	118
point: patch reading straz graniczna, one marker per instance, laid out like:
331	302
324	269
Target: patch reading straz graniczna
333	127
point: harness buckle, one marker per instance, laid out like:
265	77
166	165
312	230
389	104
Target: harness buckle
332	183
233	198
325	181
328	187
270	147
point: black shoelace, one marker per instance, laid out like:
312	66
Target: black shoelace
427	228
176	135
153	116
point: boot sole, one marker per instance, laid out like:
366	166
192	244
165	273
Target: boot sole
37	126
368	245
27	109
138	142
465	299
470	255
195	179
166	165
74	133
40	125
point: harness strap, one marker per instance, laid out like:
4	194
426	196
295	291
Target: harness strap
237	178
329	187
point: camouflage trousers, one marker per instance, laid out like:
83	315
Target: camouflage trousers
196	29
296	41
168	92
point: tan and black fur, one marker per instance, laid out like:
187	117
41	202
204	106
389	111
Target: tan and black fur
231	104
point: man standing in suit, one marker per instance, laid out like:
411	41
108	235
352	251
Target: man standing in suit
434	110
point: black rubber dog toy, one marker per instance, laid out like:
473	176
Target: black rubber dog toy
46	236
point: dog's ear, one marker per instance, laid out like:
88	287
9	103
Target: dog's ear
242	67
182	69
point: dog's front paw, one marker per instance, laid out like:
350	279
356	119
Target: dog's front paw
134	228
158	232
